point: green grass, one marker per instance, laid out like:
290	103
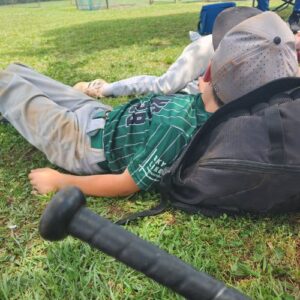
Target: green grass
260	257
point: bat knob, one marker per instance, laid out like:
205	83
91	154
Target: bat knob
59	213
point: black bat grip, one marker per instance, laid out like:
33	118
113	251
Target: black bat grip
65	215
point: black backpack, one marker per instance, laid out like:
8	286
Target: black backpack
245	159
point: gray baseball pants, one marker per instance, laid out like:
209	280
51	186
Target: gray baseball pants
53	117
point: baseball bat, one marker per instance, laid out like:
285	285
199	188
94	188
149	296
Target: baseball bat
66	214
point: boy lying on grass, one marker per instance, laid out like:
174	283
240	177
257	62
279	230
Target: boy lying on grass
135	141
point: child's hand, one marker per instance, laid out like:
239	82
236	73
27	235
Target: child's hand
44	180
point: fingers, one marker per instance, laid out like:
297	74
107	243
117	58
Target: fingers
35	172
39	189
39	170
33	184
33	176
43	180
35	188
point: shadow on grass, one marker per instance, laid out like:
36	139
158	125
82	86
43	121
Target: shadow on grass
102	35
71	47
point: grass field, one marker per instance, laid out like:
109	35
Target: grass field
260	257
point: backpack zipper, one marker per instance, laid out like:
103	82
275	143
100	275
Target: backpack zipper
250	166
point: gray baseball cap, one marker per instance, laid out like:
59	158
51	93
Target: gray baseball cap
254	52
229	18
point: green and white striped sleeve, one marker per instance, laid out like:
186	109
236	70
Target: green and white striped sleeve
162	148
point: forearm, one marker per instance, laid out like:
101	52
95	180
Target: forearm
45	180
108	185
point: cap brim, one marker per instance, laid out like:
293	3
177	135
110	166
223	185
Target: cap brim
228	19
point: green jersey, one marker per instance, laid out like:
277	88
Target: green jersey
147	134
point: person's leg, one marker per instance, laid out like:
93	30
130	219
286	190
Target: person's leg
57	131
58	92
263	5
189	66
294	18
297	6
179	77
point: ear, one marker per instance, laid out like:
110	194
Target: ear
207	74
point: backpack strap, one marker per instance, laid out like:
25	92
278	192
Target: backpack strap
158	209
276	134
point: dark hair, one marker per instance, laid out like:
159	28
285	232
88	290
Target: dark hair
218	101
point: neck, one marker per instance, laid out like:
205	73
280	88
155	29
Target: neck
210	103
